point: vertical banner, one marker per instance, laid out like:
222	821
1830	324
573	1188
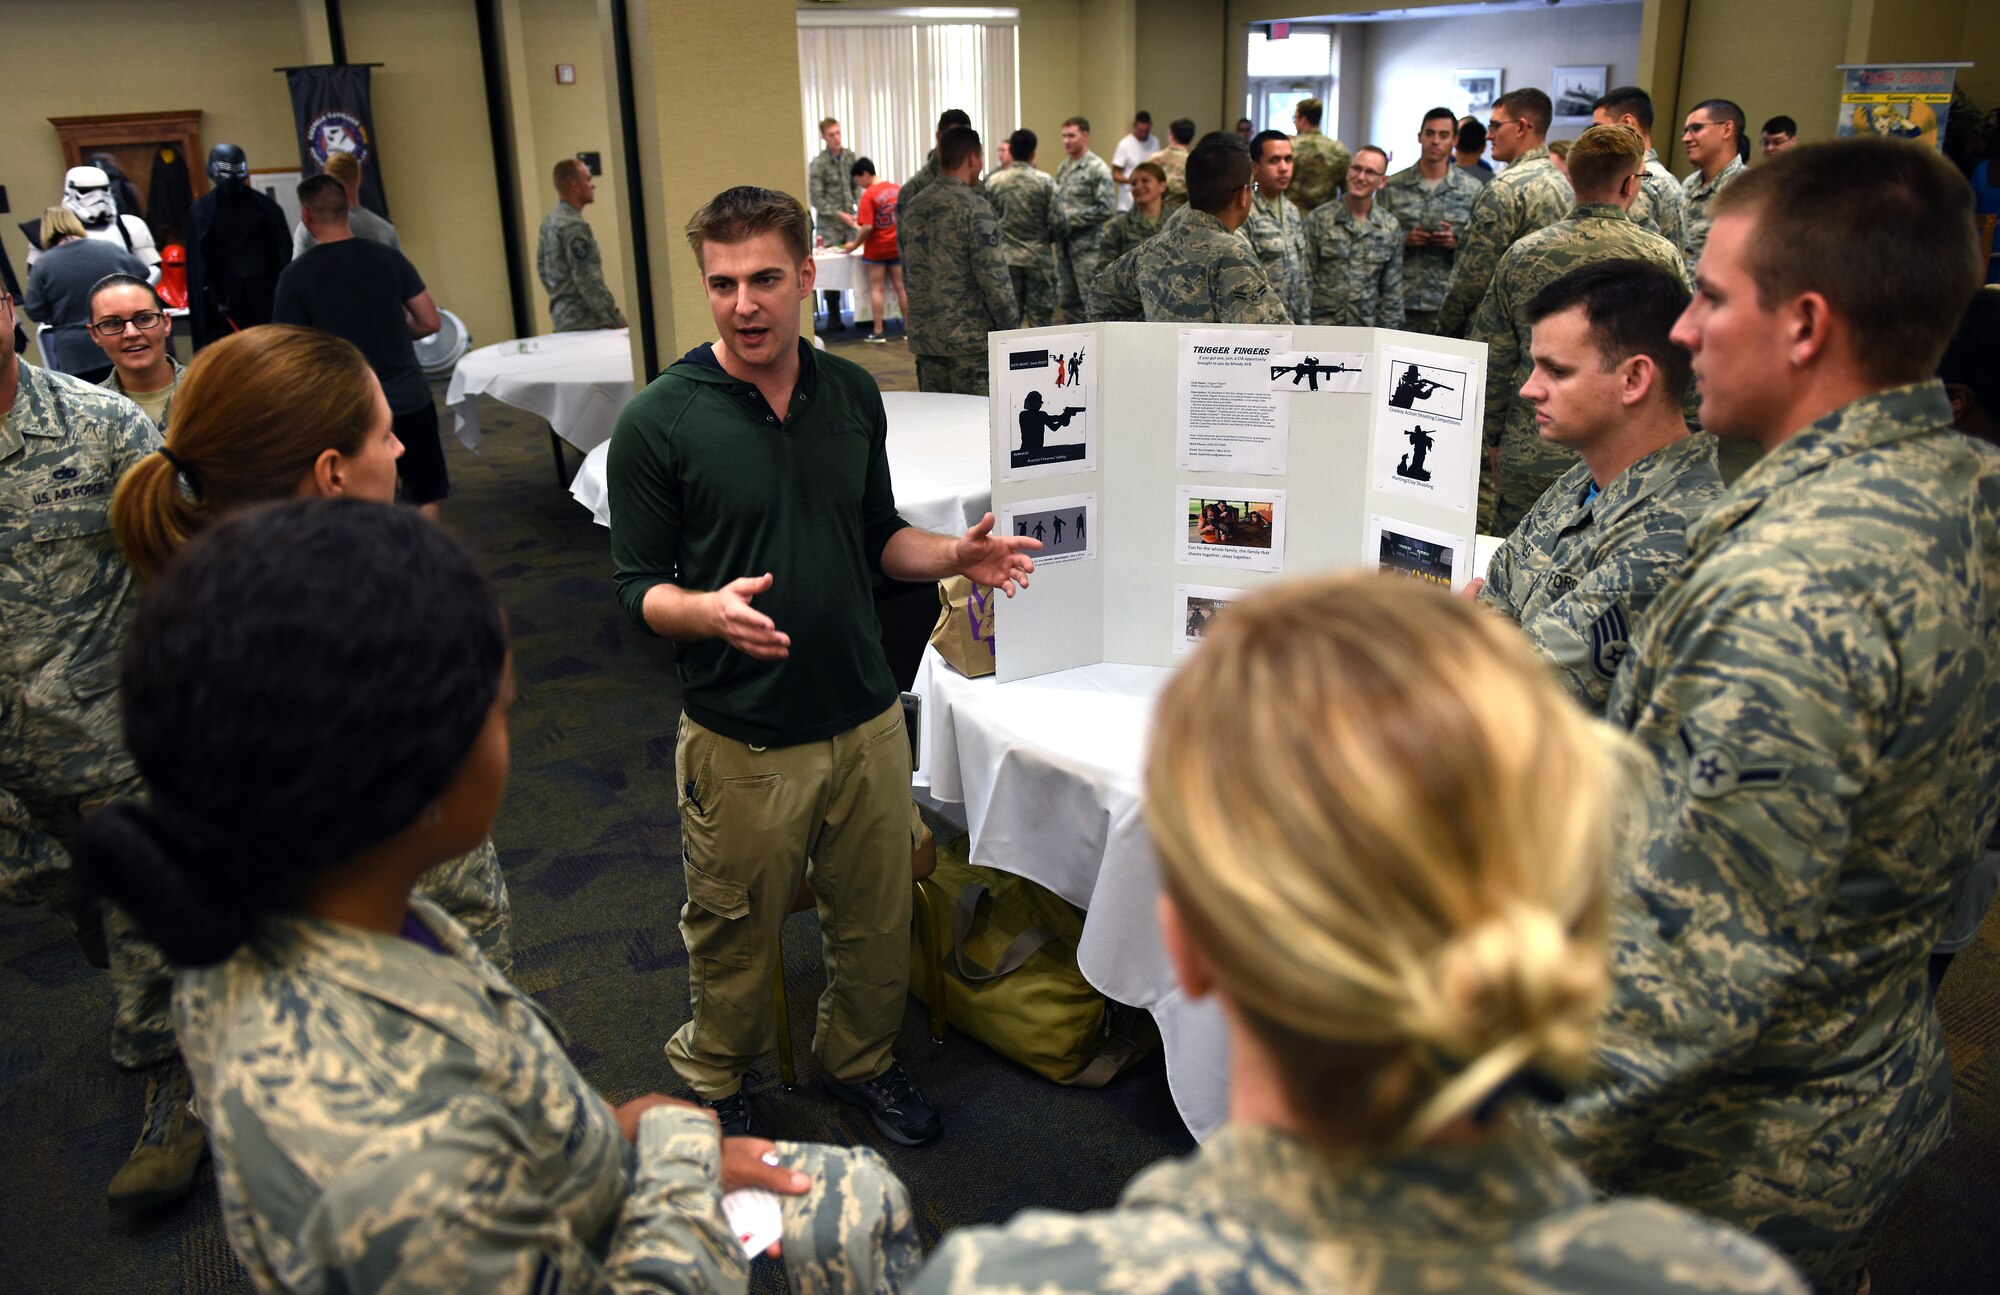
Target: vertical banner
330	105
1899	100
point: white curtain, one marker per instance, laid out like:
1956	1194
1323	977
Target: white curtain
888	84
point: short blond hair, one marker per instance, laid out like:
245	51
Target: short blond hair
1603	156
60	222
343	167
1388	831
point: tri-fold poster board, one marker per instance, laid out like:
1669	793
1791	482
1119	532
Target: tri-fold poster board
1167	470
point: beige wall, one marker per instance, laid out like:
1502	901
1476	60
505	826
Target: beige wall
1183	63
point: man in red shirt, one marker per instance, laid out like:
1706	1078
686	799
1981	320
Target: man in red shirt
877	216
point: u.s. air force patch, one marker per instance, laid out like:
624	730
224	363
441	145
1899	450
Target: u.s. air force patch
1610	639
1713	770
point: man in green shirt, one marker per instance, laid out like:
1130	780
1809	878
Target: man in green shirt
756	470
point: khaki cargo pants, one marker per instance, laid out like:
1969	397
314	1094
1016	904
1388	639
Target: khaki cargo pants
754	822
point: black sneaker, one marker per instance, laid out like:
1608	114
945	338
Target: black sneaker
732	1112
898	1109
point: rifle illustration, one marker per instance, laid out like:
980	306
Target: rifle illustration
1309	371
1412	387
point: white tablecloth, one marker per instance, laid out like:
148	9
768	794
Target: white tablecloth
1045	773
576	381
938	460
838	271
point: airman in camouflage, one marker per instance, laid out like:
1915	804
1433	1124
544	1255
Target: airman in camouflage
1128	229
957	275
1818	690
1700	195
1196	271
1255	1210
1319	161
1578	574
925	177
1356	260
1594	231
1025	200
830	188
1529	195
1172	161
1276	227
1661	207
388	1118
1086	197
567	260
1443	212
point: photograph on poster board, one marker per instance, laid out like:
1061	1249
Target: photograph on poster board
1195	610
1343	372
1228	416
1047	388
1416	553
1066	526
1231	527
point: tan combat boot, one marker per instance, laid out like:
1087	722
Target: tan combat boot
172	1144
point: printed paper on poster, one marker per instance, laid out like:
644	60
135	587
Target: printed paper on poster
1426	447
1417	552
1195	610
1066	526
1047	390
1320	372
1231	526
1227	416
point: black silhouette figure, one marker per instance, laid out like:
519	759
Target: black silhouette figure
1079	528
1076	368
1059	526
1414	386
1020	528
1411	465
1038	530
1308	371
1035	424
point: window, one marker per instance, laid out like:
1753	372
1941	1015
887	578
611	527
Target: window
1282	72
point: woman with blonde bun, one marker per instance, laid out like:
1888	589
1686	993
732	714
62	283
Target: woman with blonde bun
284	412
1383	835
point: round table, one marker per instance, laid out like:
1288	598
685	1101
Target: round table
939	462
577	382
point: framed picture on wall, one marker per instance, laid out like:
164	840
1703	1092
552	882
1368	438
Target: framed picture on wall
1474	89
1573	89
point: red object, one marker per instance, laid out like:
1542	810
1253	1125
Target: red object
173	284
1281	31
878	217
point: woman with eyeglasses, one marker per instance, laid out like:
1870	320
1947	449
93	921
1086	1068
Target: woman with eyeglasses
59	287
130	325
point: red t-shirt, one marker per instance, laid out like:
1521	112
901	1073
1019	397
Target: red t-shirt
878	218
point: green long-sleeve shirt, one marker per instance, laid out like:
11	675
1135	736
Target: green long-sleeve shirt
708	485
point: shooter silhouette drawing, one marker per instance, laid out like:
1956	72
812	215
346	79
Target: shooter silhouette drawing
1411	465
1412	387
1037	423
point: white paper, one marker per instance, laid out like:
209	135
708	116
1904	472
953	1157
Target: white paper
1230	526
1195	610
1227	418
1320	372
1425	445
1066	526
1047	389
1417	553
756	1216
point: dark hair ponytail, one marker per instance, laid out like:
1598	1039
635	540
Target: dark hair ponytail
300	683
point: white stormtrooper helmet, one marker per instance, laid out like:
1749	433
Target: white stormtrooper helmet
87	192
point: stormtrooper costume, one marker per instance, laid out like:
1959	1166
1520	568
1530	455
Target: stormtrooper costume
87	192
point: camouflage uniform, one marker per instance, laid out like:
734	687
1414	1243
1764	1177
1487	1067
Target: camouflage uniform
1819	689
1258	1212
1173	160
1195	271
1661	207
1700	195
1356	267
113	382
959	286
1579	573
1596	231
1529	195
1276	230
1127	230
388	1118
567	261
926	176
1025	200
1086	197
831	195
1319	168
1427	270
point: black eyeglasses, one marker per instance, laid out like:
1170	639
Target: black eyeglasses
145	321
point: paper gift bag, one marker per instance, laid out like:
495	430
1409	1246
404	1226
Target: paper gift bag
963	635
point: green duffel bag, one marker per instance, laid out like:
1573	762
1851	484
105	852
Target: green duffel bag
1010	979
